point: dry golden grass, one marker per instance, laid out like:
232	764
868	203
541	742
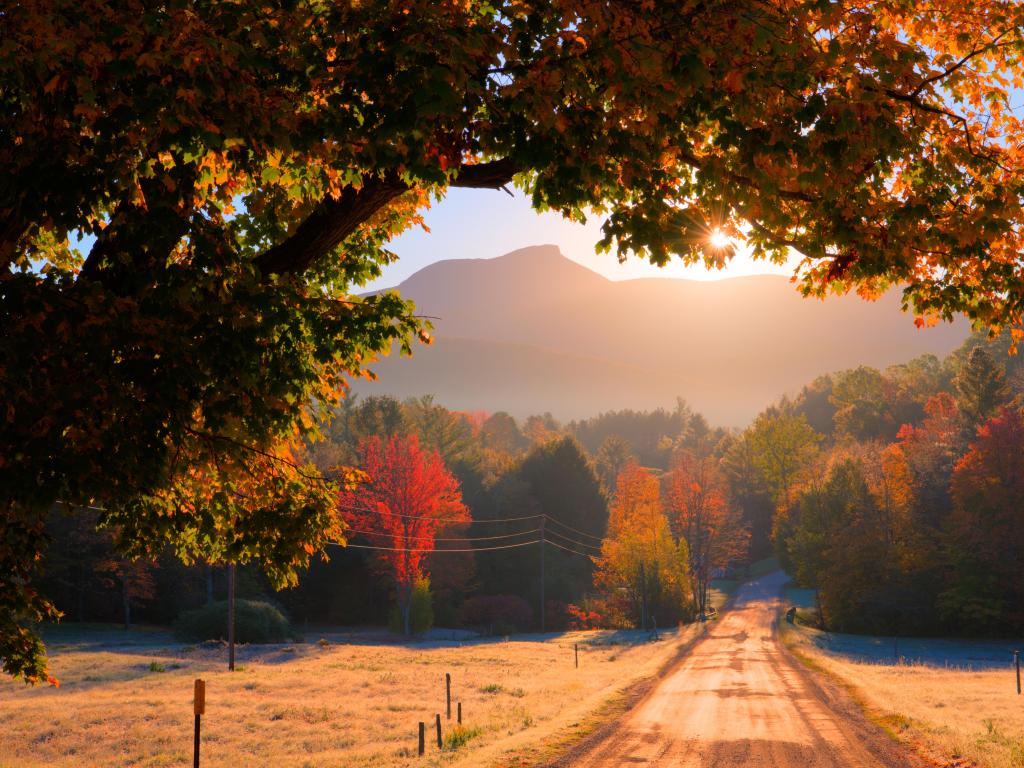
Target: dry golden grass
319	705
955	716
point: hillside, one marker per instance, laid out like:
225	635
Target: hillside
533	331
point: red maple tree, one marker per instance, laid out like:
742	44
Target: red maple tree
986	543
409	496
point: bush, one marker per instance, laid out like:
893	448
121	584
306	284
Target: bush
255	622
421	612
498	614
460	735
585	617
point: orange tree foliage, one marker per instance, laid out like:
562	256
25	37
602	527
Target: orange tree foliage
408	496
236	167
987	542
641	566
696	493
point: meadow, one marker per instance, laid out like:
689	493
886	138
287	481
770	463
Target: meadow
351	700
954	702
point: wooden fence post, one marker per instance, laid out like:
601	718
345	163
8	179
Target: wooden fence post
423	737
231	617
576	651
438	722
460	713
448	693
199	708
1016	663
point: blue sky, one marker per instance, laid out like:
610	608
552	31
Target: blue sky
482	224
474	224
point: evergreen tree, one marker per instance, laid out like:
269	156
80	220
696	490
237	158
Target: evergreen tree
981	389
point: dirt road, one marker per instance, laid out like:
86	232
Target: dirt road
738	699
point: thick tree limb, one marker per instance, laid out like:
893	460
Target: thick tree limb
11	231
331	222
334	220
493	175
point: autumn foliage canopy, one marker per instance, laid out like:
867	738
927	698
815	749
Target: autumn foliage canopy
191	191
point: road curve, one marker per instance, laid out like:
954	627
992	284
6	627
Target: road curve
737	699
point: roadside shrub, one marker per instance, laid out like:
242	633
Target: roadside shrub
255	622
614	611
498	614
584	617
421	610
460	735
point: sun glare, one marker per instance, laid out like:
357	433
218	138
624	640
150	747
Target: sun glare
719	239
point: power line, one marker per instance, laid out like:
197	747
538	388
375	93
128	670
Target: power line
403	549
467	538
438	519
506	519
456	538
574	530
574	541
567	549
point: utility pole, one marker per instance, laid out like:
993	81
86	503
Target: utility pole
542	548
643	597
231	617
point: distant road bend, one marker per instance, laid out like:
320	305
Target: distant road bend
737	699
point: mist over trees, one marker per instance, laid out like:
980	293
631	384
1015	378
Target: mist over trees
895	493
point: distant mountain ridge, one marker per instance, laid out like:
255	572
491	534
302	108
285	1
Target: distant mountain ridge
533	331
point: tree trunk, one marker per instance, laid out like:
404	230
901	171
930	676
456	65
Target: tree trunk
404	596
209	584
702	597
643	597
695	587
126	598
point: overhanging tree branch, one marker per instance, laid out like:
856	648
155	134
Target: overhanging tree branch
336	219
331	222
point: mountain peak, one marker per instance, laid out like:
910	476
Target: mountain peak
537	269
565	339
535	253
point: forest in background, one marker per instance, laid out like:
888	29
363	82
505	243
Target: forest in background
893	492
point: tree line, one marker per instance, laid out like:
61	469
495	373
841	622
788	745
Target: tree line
475	488
892	492
192	196
904	509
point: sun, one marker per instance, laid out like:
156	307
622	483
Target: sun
719	239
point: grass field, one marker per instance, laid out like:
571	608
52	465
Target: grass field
355	701
954	701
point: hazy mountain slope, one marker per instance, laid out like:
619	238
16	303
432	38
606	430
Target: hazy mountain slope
533	331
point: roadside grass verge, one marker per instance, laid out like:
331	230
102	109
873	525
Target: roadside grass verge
352	703
952	715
